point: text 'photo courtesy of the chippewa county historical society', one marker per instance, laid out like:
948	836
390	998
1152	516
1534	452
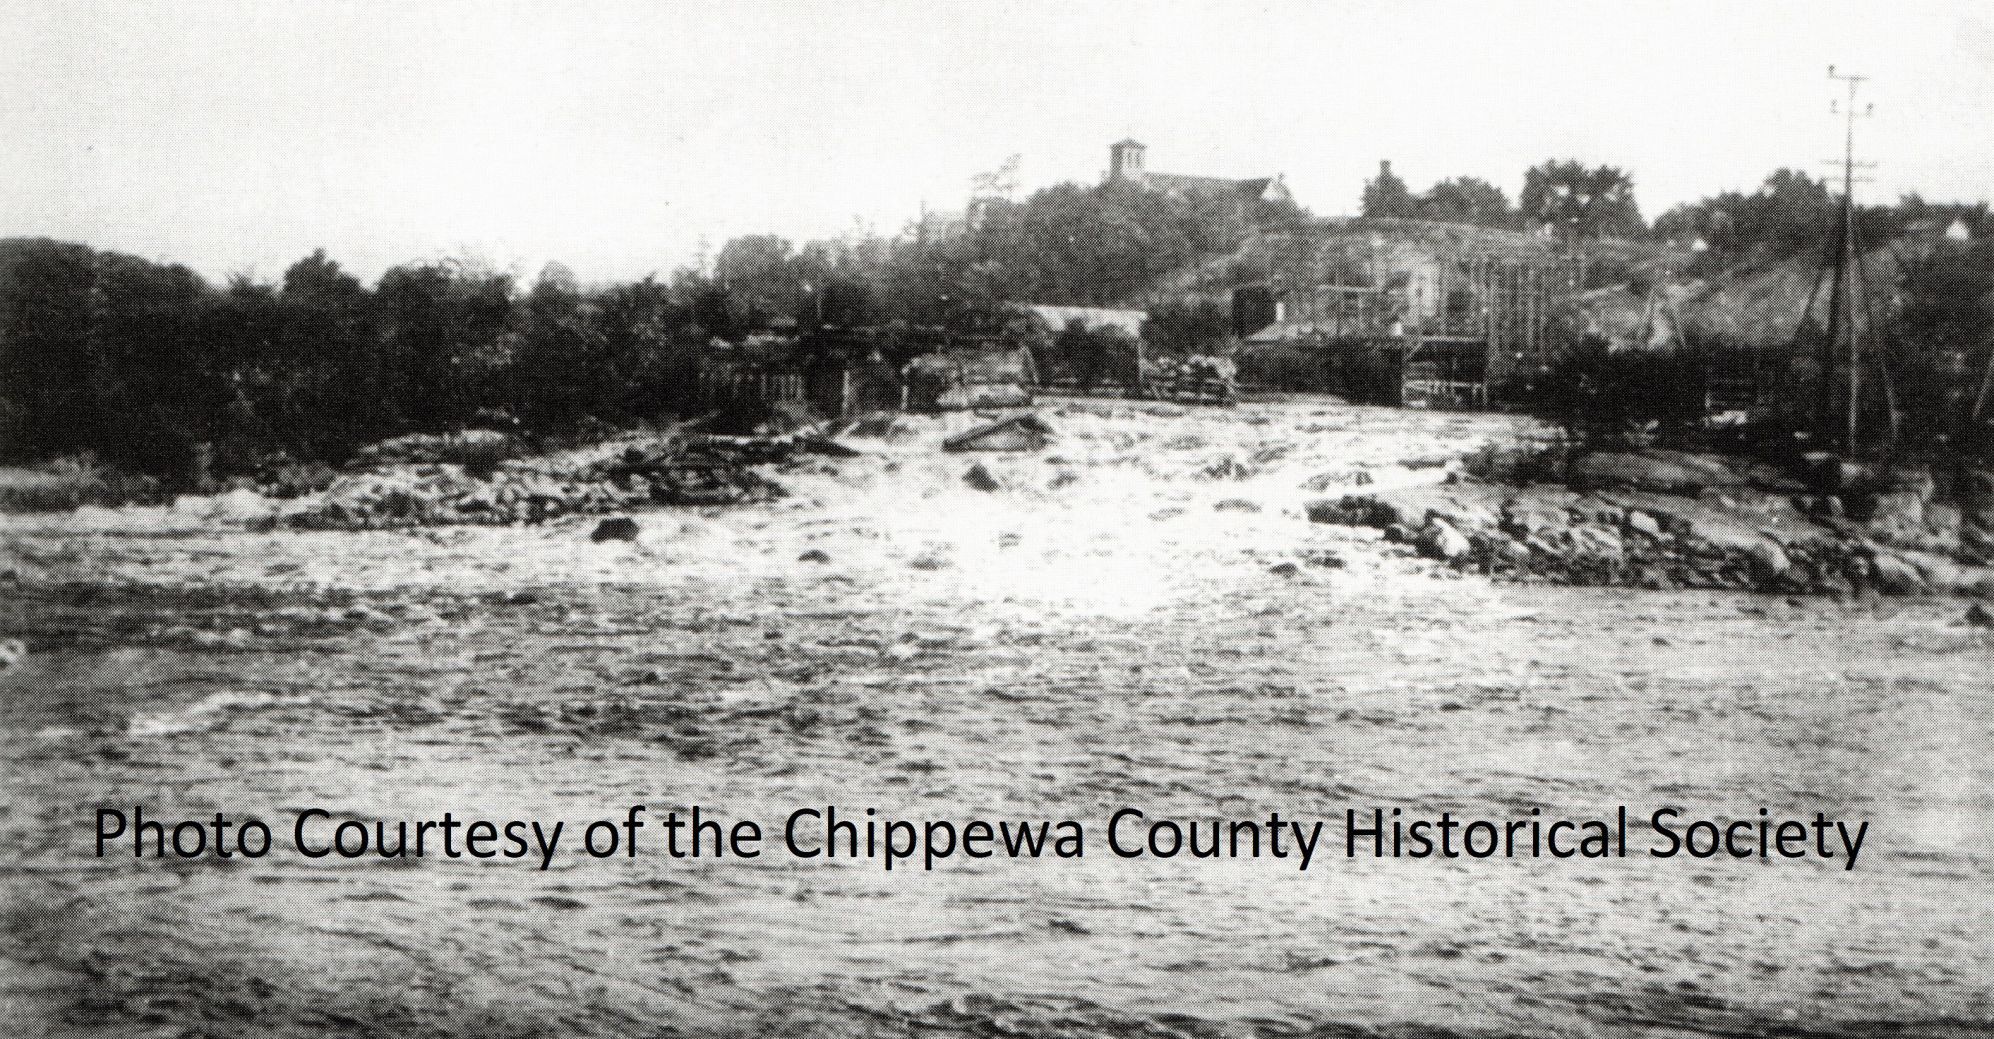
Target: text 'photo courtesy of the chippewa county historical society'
1170	519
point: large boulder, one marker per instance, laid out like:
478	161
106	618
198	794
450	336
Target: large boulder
1895	575
1667	472
1439	540
1894	512
1768	558
1642	523
1525	516
1600	542
1466	507
980	478
616	528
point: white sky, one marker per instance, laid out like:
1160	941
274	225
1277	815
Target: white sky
615	136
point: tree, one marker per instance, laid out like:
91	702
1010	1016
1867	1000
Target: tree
47	405
559	371
1467	200
1586	202
1387	196
153	381
1188	327
306	370
440	327
759	272
1788	213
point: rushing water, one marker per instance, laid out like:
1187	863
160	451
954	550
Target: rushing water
1107	630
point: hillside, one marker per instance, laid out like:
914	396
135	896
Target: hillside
1755	303
1356	241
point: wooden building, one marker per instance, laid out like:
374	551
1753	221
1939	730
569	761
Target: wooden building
1410	311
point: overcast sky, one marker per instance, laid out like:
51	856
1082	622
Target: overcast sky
236	137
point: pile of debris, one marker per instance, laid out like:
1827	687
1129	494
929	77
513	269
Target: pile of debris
1668	520
1196	379
701	471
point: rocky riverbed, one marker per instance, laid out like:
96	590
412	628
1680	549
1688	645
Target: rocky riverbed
1139	614
1659	519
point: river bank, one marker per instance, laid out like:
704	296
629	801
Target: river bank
1657	519
1139	614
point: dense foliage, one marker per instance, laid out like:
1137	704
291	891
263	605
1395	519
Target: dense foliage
137	363
1580	201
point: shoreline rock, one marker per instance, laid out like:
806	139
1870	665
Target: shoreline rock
706	471
1661	520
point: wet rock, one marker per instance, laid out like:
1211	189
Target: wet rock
1895	575
814	555
1943	521
1018	433
1466	514
616	528
1527	516
1591	540
1976	544
1351	511
1892	510
1236	505
1667	472
1284	569
1769	558
979	478
1439	540
1978	616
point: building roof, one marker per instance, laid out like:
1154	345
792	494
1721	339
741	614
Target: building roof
1309	331
1251	188
1091	318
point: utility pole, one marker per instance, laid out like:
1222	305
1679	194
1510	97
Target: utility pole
1847	295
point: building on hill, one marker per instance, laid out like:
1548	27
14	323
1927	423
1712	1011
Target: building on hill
1128	164
1407	311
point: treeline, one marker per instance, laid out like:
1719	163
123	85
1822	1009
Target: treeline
1790	212
137	363
1572	198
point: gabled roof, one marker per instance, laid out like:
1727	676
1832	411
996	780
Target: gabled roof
1191	184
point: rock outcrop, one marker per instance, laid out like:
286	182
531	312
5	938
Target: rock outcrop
1656	519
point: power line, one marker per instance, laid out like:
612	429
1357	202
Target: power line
1842	268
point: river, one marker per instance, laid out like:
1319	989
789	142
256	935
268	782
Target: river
1113	626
